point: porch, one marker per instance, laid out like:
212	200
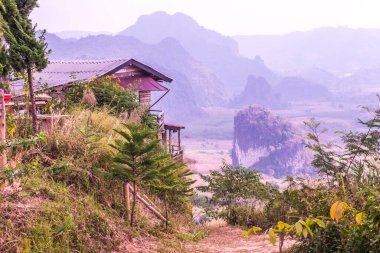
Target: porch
170	135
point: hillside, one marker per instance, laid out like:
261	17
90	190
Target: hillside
79	34
196	39
218	52
335	49
258	92
297	88
63	197
194	84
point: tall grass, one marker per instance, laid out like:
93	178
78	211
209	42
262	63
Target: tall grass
69	203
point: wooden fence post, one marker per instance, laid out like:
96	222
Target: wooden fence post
3	156
127	198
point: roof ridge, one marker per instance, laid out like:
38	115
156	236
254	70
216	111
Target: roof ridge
86	61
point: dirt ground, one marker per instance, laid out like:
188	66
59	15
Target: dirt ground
230	240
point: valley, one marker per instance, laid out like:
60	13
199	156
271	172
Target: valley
189	126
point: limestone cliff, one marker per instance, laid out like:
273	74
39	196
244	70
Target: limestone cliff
269	144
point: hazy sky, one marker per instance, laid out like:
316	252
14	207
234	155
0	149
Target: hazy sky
229	17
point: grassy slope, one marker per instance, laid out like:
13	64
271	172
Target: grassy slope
69	204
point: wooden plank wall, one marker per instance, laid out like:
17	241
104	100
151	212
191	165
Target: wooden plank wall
145	98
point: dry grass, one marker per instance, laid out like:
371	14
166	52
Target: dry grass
89	98
70	204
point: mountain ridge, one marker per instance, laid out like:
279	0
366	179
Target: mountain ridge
336	49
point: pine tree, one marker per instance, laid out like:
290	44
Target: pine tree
4	63
26	53
25	7
137	158
172	181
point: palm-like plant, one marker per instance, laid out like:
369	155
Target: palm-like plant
137	158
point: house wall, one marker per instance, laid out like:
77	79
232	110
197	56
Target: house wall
145	98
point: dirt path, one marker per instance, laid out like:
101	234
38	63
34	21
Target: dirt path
230	240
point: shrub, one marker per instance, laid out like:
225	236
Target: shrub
233	188
108	93
348	231
248	216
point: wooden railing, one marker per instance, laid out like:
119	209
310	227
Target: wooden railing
176	152
159	116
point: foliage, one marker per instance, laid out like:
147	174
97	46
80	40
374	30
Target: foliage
352	165
58	223
247	215
24	143
77	152
150	121
25	52
69	202
252	230
351	174
348	172
301	198
108	94
172	182
9	174
137	159
349	230
4	64
231	187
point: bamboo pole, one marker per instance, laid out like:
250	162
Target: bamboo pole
3	156
151	203
127	198
150	207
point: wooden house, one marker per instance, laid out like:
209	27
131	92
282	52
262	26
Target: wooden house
129	74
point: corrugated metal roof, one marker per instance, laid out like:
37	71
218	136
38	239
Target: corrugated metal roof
59	73
143	83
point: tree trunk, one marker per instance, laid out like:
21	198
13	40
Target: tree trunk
282	239
3	130
166	212
32	101
133	204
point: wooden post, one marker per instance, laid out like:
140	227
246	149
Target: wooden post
164	140
170	141
179	139
127	198
3	156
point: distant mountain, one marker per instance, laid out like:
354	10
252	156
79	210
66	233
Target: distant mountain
194	85
258	92
195	39
338	50
218	52
318	75
363	81
79	34
297	88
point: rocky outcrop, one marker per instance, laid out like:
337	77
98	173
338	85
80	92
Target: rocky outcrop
269	144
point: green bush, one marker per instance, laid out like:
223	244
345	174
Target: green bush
348	234
108	93
247	216
231	189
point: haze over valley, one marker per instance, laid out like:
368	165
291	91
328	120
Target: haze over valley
324	73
